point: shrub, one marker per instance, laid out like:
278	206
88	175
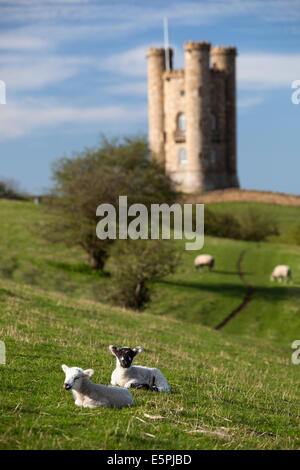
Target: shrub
9	189
132	264
256	226
221	224
251	225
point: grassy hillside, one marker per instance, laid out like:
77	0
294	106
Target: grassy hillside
206	298
274	309
229	393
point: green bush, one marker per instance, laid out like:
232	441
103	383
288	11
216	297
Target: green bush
256	226
250	226
221	224
132	263
9	189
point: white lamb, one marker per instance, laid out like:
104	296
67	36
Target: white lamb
90	395
204	260
129	376
281	273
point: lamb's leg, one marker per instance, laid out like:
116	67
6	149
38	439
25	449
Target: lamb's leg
77	398
131	384
160	382
154	388
139	386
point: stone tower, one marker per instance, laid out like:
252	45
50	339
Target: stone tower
192	116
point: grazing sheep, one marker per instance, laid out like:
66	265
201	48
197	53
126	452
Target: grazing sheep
127	375
204	260
281	273
90	395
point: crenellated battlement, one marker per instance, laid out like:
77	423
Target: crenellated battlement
224	50
197	45
158	51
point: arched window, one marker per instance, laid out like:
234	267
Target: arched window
181	122
213	156
213	122
182	155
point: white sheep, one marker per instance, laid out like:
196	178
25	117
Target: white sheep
204	260
90	395
281	272
129	376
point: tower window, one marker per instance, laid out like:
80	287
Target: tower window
181	122
213	156
182	155
213	122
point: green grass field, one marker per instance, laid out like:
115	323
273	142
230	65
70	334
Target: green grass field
235	388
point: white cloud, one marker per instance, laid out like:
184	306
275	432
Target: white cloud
250	101
147	13
11	41
29	73
17	120
127	88
131	62
267	71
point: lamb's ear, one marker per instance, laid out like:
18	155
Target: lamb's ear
88	372
64	368
137	350
113	349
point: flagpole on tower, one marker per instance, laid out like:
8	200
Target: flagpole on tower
166	41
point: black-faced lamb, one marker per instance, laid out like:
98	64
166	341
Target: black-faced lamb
141	377
90	395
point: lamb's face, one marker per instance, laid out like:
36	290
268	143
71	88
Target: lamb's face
125	355
74	376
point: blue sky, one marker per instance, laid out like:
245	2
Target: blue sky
76	68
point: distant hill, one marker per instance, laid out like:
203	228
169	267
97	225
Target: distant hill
244	195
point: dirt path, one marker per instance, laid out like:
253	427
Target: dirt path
247	298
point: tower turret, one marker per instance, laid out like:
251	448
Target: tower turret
197	105
156	67
223	58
